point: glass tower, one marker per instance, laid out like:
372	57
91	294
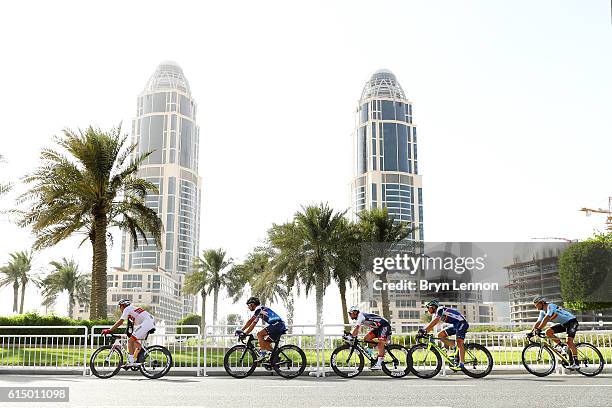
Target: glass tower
165	124
386	170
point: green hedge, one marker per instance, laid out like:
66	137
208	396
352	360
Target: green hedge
34	319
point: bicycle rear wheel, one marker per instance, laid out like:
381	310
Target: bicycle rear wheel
156	362
426	362
289	361
346	362
397	361
590	359
105	362
538	360
478	360
239	361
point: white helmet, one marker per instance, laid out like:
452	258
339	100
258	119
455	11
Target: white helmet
353	309
124	302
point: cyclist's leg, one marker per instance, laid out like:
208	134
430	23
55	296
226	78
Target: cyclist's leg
461	332
571	329
448	343
551	331
383	334
263	343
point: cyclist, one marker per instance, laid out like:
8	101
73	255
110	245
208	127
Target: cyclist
274	329
380	329
566	322
459	328
142	321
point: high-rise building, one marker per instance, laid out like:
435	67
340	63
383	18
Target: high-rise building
386	171
165	124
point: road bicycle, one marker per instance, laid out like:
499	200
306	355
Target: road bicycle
240	361
348	359
427	356
152	361
540	358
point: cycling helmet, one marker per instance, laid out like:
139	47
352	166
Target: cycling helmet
353	309
432	303
124	302
539	299
253	300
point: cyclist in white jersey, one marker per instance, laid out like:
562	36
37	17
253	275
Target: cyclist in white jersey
566	322
380	329
143	322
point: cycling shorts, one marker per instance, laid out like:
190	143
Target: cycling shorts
570	327
276	330
381	332
140	332
460	330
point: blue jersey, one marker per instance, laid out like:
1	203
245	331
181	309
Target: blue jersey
266	314
557	314
451	316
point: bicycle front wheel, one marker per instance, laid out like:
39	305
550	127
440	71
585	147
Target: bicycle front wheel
346	362
397	361
156	361
105	362
538	360
590	359
478	360
289	361
426	362
239	361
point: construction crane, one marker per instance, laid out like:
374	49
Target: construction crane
608	212
558	239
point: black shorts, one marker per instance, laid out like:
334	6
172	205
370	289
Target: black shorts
570	327
460	330
382	332
276	330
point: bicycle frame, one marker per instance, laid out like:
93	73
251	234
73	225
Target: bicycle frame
432	345
250	339
357	345
546	345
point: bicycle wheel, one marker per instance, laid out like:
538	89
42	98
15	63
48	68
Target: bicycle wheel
156	361
239	361
346	362
590	359
538	360
289	361
105	362
397	361
426	362
478	360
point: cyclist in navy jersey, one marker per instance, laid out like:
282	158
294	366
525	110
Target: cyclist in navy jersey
459	328
275	326
379	329
566	322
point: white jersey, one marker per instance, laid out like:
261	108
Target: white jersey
371	320
136	315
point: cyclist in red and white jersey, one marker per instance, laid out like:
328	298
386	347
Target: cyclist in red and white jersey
143	322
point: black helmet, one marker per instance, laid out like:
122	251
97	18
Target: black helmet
253	300
433	303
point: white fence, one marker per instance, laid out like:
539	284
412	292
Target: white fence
69	347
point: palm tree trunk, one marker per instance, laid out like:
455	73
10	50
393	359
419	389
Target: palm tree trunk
70	305
385	297
342	287
23	288
319	292
98	277
215	303
203	321
290	306
15	296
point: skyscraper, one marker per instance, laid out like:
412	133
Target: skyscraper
385	151
165	124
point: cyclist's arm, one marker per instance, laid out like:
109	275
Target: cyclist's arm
250	325
117	324
355	331
541	324
432	324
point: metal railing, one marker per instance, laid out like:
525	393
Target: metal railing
70	347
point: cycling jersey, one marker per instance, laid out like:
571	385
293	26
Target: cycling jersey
371	320
136	315
451	316
266	314
558	314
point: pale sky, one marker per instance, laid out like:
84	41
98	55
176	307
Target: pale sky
513	101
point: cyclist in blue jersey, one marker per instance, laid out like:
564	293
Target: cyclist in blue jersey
459	328
566	322
275	326
380	328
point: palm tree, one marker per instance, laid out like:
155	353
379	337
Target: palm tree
90	187
214	262
307	247
377	226
197	282
347	269
66	277
17	273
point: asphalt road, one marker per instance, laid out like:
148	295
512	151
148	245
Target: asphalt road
520	390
